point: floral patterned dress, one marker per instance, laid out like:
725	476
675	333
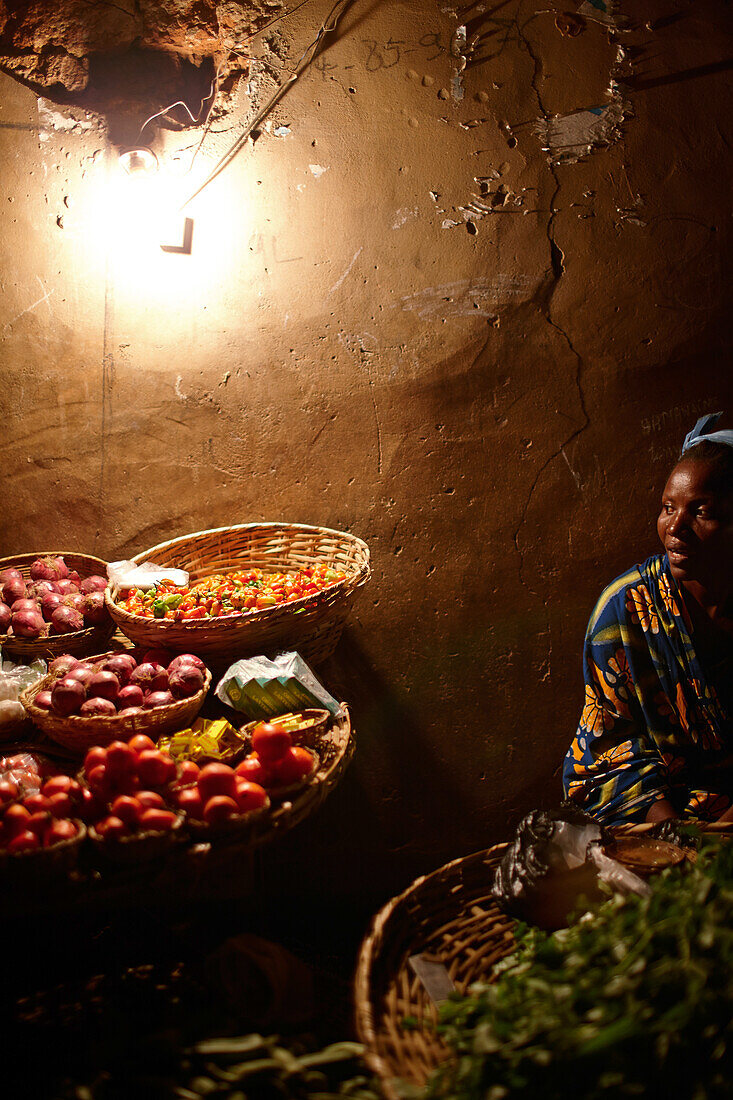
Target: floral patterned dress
653	725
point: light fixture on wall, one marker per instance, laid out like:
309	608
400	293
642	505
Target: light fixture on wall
145	201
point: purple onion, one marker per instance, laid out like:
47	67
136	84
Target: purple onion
66	620
28	624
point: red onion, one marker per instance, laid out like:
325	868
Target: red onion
185	681
130	696
28	624
158	656
66	587
24	604
13	590
5	616
47	569
74	577
43	700
98	707
75	600
65	620
61	666
158	699
82	673
93	584
10	574
38	589
50	602
93	609
61	566
150	677
121	665
67	695
187	659
103	684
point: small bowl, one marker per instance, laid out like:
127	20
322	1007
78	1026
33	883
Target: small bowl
304	726
644	855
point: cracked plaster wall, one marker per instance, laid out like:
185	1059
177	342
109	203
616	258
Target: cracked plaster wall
463	296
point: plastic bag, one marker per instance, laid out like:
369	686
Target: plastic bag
14	679
124	575
262	688
555	863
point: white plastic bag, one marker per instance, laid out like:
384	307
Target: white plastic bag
124	575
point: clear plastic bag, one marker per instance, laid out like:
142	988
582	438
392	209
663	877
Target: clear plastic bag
14	679
262	688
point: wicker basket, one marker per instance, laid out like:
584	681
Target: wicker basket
35	868
141	847
449	917
77	734
311	625
78	644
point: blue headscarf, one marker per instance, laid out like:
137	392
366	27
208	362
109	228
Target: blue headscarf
700	432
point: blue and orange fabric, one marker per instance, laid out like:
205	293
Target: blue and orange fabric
652	725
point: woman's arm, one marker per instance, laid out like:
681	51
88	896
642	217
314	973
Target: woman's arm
661	810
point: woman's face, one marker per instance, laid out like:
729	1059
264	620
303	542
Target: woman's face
696	524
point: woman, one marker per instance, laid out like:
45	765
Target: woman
655	739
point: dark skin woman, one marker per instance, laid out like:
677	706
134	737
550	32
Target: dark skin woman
655	738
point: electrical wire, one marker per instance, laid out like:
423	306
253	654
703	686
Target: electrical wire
181	103
309	54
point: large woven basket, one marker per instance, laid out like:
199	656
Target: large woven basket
77	734
81	642
448	917
311	625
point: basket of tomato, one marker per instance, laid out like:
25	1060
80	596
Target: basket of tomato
253	588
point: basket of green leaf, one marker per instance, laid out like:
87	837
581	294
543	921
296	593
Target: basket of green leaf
634	999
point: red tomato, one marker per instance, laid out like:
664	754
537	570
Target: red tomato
24	841
8	791
252	768
150	800
190	802
140	743
250	796
58	831
35	803
218	809
111	827
39	821
270	742
128	809
98	780
294	766
92	808
157	821
61	805
121	761
58	784
96	756
155	768
16	819
188	772
216	779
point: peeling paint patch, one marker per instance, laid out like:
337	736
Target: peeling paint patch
53	119
458	49
317	170
281	131
402	215
599	10
177	388
469	297
569	138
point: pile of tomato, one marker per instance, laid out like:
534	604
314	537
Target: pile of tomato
236	593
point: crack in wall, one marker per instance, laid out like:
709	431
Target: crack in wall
557	268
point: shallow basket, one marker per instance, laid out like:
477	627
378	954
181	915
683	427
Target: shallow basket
449	917
80	642
311	625
77	734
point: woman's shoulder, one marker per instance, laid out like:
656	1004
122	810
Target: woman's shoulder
645	573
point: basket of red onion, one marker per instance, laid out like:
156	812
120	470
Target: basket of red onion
113	696
52	604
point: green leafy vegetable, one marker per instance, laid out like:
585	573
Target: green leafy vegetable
635	999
